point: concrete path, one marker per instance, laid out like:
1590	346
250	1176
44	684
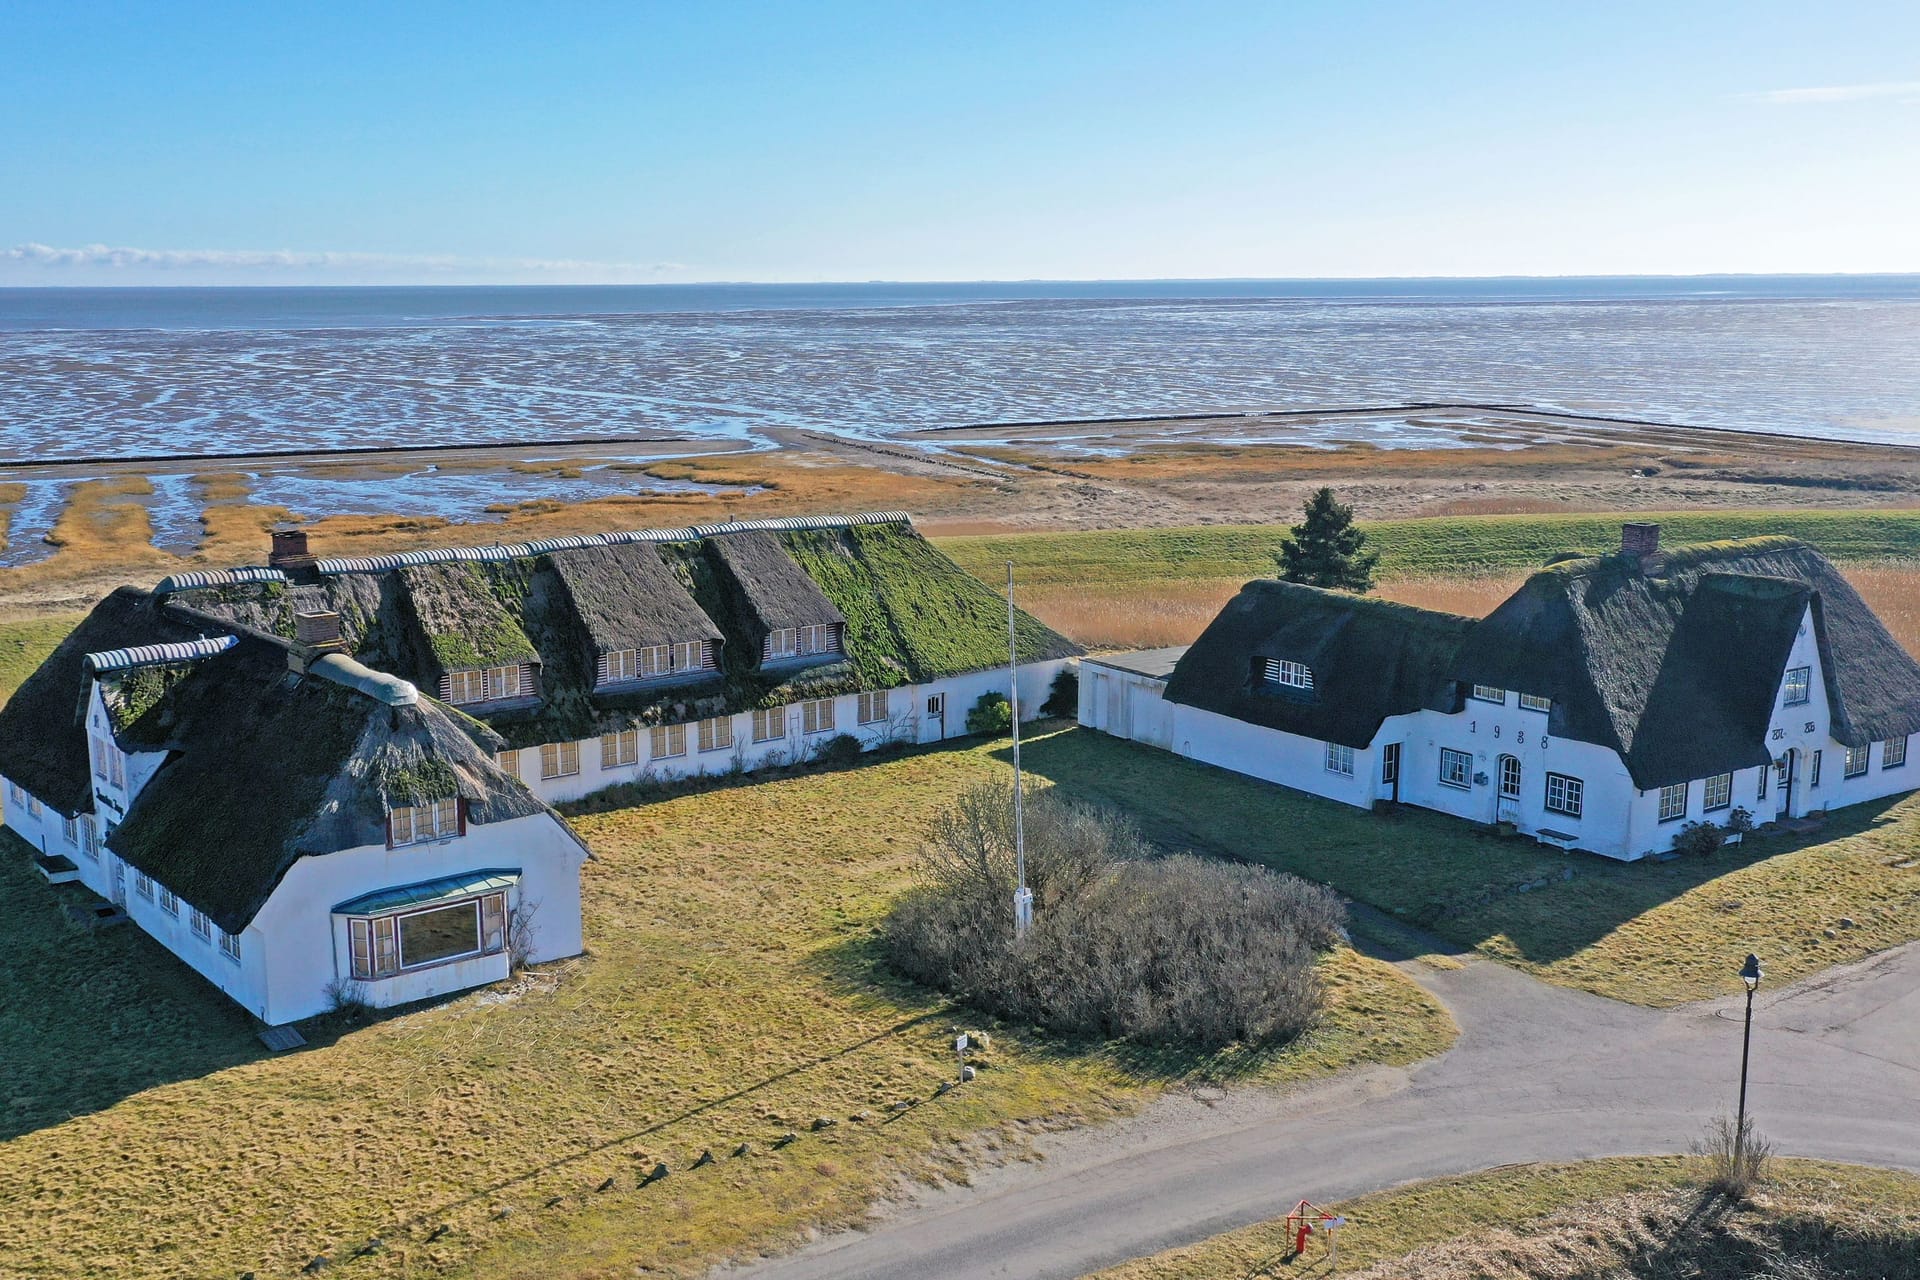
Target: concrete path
1539	1073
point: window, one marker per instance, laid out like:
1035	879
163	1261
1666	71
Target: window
381	946
169	903
669	740
89	837
1673	801
654	660
143	885
689	655
416	824
490	684
1490	693
873	707
617	666
1718	793
783	643
1456	768
509	763
559	759
1893	753
1760	790
202	927
622	747
1813	772
1287	673
70	829
818	639
1565	794
15	796
716	734
769	724
1795	689
816	716
1339	759
117	763
230	946
108	764
99	757
1534	702
1856	761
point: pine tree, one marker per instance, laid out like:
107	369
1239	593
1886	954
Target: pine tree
1326	550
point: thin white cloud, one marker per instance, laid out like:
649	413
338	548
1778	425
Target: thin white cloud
113	256
1903	90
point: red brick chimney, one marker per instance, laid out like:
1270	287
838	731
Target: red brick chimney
320	629
1640	540
289	549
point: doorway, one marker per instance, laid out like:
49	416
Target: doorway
1507	806
937	716
1787	771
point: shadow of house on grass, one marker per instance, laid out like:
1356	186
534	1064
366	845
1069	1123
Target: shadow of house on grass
1466	883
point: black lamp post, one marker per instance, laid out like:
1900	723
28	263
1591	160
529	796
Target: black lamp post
1749	974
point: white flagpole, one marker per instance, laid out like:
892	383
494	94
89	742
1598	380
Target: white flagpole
1022	896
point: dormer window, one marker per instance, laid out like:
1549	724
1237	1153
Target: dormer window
802	642
650	662
1490	693
485	684
1797	687
418	824
1534	702
1286	673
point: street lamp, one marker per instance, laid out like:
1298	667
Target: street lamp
1749	974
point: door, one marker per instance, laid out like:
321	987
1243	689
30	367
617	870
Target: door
937	716
118	883
1507	806
1786	768
1390	771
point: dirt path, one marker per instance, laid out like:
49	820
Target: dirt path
1539	1073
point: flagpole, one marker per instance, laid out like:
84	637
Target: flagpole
1022	895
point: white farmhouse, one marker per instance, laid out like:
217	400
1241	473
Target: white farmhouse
292	825
1607	703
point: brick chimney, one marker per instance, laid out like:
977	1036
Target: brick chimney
1640	540
315	635
289	549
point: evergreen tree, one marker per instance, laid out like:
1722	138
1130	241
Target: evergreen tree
1326	550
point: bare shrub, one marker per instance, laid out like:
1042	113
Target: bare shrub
348	998
1736	1158
520	940
1164	951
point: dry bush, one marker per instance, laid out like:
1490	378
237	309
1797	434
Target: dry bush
1736	1158
1176	951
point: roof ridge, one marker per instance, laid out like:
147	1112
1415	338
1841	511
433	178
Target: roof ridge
1378	604
546	546
1683	555
155	655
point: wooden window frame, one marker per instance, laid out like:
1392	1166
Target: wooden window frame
201	926
1667	792
817	717
561	755
774	719
716	733
1847	769
1287	673
169	902
781	643
873	707
1339	760
1813	771
1488	693
619	748
1724	781
89	837
1889	759
508	762
143	884
466	687
428	823
374	949
1798	679
667	741
1535	702
1573	795
229	945
1449	754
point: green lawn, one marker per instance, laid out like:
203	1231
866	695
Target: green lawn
731	995
1603	1218
1436	546
25	645
1650	933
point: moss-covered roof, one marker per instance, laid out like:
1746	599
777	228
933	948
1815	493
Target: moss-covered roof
910	614
465	616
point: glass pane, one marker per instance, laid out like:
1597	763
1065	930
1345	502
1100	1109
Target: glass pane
428	936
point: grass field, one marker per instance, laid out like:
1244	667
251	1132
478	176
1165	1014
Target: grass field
25	645
730	995
1146	587
1604	1218
1649	933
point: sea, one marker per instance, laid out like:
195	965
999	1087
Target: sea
101	373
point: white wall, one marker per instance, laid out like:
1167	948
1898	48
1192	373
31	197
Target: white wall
1125	704
1300	763
908	721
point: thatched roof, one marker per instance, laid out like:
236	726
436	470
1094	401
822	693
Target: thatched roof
1676	665
911	615
464	616
43	738
776	591
262	771
1370	659
625	597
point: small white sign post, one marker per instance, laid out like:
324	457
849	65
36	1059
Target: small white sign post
1332	1227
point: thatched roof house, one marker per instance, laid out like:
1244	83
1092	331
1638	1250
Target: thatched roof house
625	597
775	591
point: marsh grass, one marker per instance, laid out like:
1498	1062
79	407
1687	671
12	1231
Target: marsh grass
732	993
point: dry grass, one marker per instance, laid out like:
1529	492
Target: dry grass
1600	1220
731	995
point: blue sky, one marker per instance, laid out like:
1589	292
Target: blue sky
273	143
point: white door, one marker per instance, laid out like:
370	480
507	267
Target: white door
1508	805
936	716
118	882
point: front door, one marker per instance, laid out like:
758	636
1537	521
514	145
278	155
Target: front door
1390	771
1787	769
1507	808
937	716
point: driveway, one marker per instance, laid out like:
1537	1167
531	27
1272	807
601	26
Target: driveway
1539	1073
